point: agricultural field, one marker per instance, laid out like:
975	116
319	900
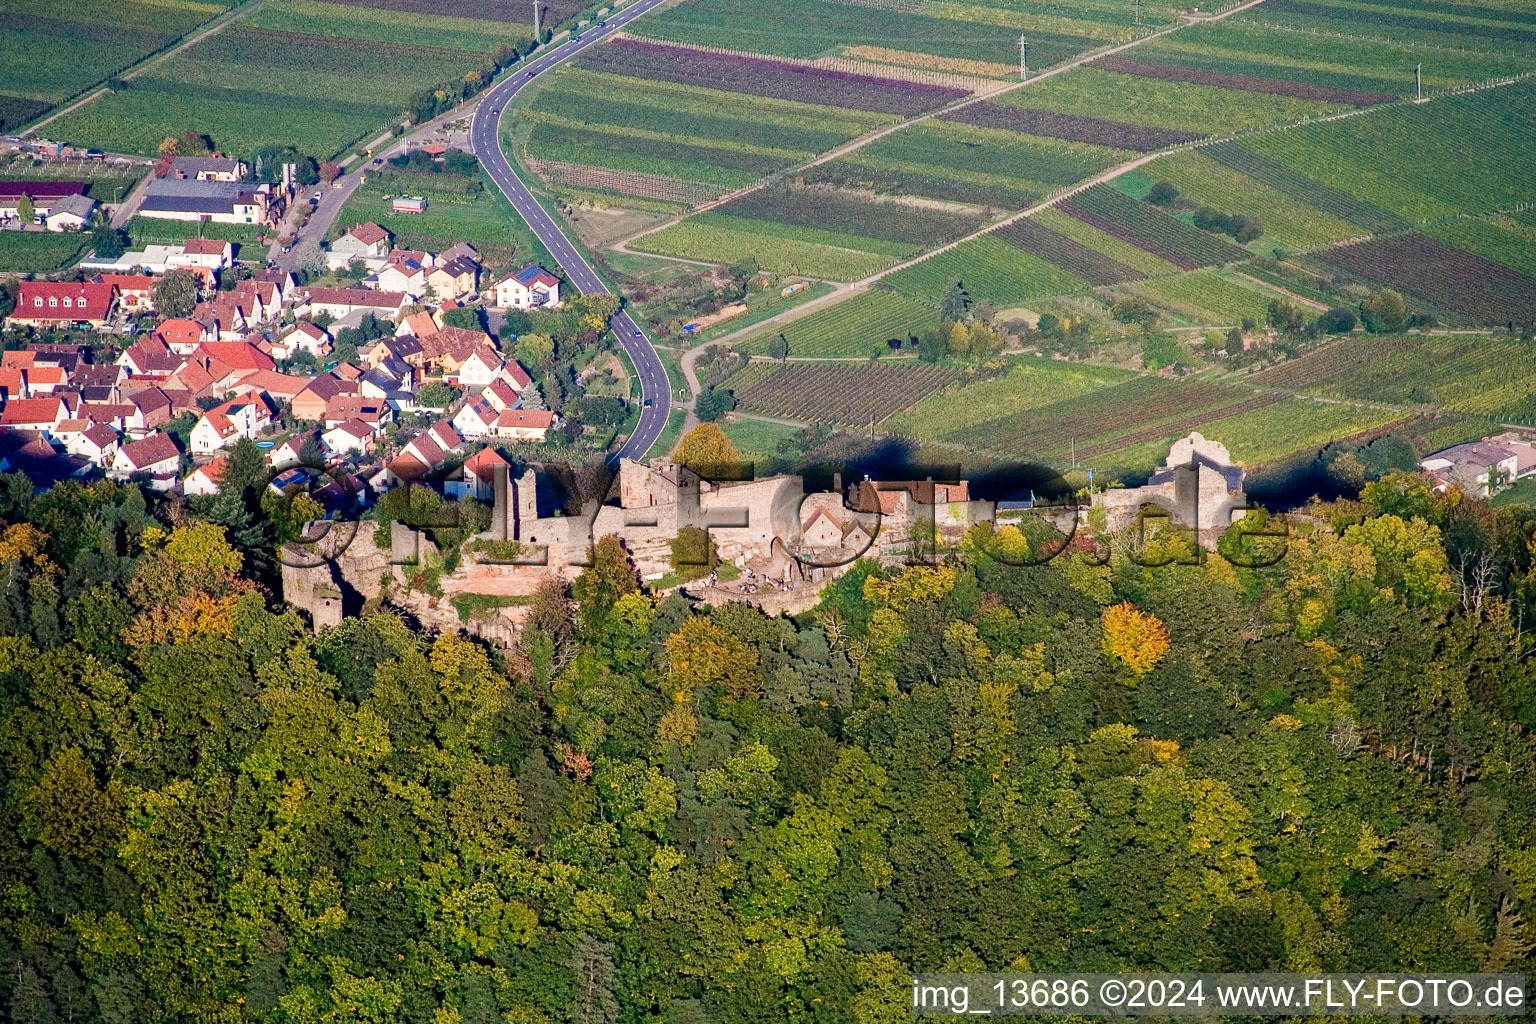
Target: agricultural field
1173	72
960	162
1288	221
1209	297
159	231
1266	432
1104	243
1448	277
1298	188
50	53
991	270
756	440
637	58
1252	43
1480	28
1477	145
1112	412
458	209
1029	235
1478	376
805	251
261	82
1030	383
857	326
1091	130
1501	239
852	395
39	252
915	228
940	31
1149	228
1179	106
694	134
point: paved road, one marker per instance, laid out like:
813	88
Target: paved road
485	141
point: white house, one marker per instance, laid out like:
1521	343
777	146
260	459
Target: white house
529	288
1483	468
475	420
72	213
351	436
482	367
524	424
227	423
97	442
301	337
367	243
154	457
204	479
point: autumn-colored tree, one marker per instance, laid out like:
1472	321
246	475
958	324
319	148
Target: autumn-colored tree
608	578
329	171
1133	638
706	450
68	811
704	655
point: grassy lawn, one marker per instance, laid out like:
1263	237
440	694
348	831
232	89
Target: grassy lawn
670	434
1522	493
157	231
756	439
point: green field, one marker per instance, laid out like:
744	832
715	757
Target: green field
757	440
1501	239
854	327
816	28
1260	436
295	72
1183	106
990	269
49	53
158	231
728	139
1031	382
1133	256
1462	154
39	252
717	239
990	166
1208	297
1286	220
1480	376
456	212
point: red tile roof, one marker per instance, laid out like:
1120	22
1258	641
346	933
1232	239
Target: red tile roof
152	449
237	355
87	301
31	410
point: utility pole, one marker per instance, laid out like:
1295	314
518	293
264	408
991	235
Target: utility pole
1023	58
536	39
1418	82
1138	12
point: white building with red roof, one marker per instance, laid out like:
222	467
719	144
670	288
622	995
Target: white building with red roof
155	459
204	479
63	304
42	414
351	436
524	424
228	422
533	287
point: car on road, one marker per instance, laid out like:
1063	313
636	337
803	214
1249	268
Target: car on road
647	403
639	334
495	110
532	73
575	39
602	24
377	160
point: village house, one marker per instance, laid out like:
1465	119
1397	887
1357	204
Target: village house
351	436
153	459
204	479
40	414
203	254
62	304
43	194
475	419
228	422
403	271
367	243
207	168
524	424
372	411
309	405
1481	468
135	292
530	288
303	336
453	278
71	213
222	202
477	478
97	442
482	366
340	302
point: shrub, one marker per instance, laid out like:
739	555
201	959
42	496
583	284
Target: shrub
1338	320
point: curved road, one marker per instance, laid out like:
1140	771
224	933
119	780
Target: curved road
485	139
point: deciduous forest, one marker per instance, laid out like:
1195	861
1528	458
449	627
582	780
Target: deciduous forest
647	812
